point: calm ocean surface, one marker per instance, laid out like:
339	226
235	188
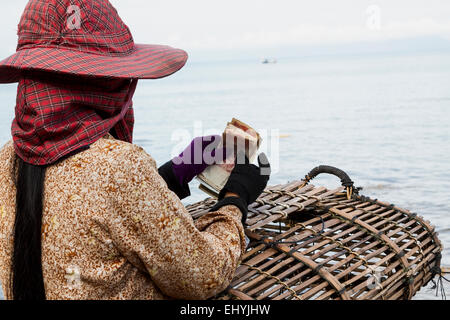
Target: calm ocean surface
383	119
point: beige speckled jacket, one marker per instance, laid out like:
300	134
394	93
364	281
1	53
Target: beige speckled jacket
113	230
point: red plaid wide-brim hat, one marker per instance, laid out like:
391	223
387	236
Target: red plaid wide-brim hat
85	38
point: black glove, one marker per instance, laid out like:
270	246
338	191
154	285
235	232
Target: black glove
246	180
166	172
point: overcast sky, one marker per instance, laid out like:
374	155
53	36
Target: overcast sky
234	24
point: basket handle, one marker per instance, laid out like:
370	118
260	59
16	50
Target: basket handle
345	179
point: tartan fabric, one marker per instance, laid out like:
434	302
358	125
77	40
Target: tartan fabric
57	115
99	24
101	46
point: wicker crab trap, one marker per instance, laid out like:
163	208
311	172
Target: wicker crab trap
311	243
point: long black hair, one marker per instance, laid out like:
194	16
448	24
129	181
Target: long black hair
27	277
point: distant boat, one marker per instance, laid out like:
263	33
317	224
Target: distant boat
268	61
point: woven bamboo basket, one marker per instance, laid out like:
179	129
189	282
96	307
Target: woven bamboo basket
311	243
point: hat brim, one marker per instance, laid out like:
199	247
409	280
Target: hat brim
146	62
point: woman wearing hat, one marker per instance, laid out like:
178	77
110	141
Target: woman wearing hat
84	213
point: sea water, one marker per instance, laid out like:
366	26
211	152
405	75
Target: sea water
384	119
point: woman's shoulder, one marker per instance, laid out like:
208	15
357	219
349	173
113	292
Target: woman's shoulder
6	155
7	149
121	153
106	151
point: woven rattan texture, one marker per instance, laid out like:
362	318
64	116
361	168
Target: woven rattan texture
310	243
